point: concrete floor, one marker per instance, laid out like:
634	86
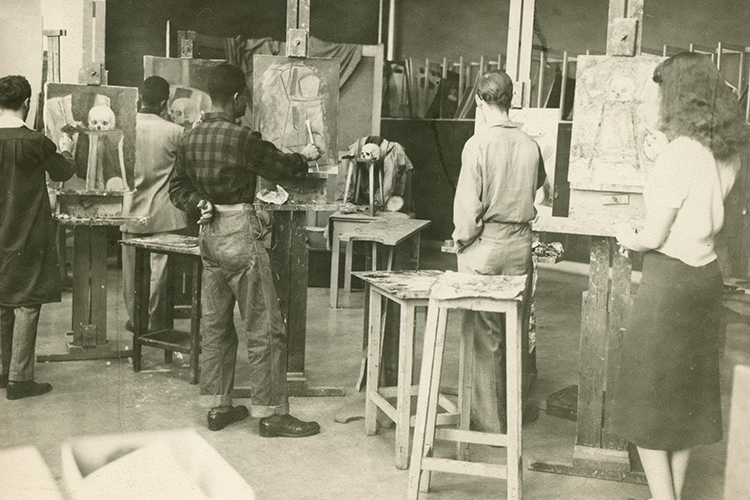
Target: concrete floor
106	397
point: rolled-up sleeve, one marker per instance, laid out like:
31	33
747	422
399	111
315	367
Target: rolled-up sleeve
467	206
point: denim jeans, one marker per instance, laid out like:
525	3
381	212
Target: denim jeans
237	269
503	249
18	327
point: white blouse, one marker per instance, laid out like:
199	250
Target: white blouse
686	177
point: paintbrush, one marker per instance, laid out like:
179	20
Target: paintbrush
309	133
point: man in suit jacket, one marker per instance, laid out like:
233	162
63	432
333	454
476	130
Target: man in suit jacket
157	141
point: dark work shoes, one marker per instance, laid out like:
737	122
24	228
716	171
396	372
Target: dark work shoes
286	426
18	390
218	420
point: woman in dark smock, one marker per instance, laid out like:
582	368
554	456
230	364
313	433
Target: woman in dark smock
667	396
29	269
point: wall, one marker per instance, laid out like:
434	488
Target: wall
19	23
450	28
129	38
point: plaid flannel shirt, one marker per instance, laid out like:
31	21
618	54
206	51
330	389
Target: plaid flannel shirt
219	161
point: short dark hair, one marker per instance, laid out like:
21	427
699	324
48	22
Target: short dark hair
14	90
224	81
154	90
496	87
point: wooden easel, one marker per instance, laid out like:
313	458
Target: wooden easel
88	336
605	308
289	255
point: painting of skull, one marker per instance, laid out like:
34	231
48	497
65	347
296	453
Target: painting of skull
100	121
187	105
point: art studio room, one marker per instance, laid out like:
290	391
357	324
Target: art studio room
374	250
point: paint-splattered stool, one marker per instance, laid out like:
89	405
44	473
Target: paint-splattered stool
499	294
409	289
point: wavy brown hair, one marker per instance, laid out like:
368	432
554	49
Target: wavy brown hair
696	102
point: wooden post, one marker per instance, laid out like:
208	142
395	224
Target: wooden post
297	27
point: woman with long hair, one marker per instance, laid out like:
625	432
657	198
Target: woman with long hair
667	396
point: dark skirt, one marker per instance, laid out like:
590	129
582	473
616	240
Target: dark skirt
667	395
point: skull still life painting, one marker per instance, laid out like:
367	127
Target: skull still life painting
100	122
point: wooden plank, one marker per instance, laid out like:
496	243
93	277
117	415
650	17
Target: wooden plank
403	285
389	231
471	468
140	305
514	38
280	265
635	10
593	327
620	304
99	282
298	276
561	191
608	475
81	281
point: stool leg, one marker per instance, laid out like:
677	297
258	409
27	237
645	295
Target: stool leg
425	379
432	408
403	397
374	342
140	304
514	355
374	250
349	171
381	174
371	166
357	182
334	291
348	259
465	375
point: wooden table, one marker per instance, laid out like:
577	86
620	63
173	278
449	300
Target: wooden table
169	339
338	223
386	231
88	336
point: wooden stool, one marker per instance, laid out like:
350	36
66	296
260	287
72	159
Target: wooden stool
355	170
500	294
170	339
409	289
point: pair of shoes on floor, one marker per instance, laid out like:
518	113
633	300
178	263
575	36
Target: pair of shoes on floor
26	389
286	426
217	420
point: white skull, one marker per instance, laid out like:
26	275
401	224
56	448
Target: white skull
370	151
183	111
101	118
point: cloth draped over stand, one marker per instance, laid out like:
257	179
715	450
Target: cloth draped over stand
240	52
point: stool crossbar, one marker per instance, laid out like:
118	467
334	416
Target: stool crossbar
500	294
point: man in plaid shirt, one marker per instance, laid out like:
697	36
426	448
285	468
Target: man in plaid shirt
216	173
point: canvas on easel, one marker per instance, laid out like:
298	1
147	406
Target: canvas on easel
294	99
100	120
188	85
615	138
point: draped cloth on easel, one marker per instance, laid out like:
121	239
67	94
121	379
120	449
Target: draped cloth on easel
240	52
